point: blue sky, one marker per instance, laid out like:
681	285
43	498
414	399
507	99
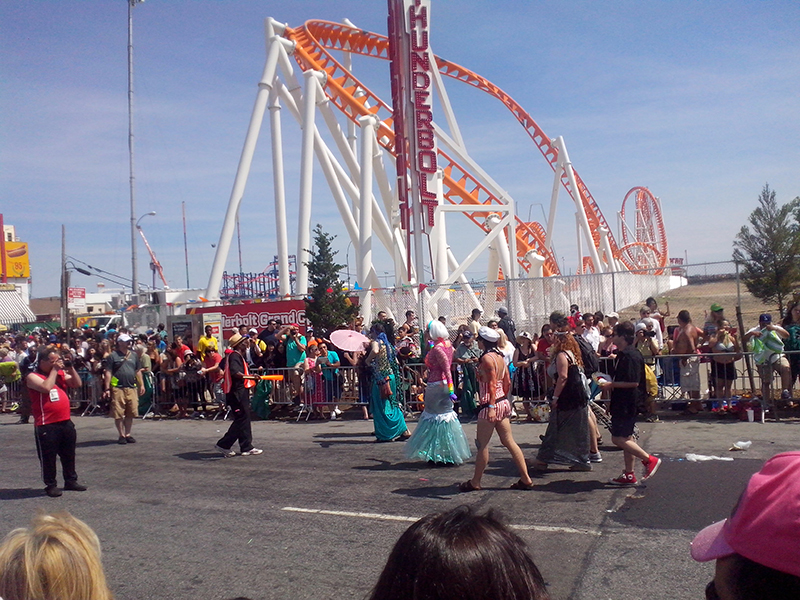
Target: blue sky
695	100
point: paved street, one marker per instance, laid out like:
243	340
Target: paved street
316	515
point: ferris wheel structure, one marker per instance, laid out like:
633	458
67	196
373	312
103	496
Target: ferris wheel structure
351	133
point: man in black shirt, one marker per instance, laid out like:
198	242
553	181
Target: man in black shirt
507	325
629	382
236	383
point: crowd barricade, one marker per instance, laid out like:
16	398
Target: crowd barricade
332	387
411	386
668	368
540	386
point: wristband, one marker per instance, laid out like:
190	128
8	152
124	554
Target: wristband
555	398
491	406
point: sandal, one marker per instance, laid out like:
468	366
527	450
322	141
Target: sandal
522	486
468	487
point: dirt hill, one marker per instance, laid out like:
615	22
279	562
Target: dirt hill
697	298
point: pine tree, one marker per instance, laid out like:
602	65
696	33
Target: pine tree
770	253
327	306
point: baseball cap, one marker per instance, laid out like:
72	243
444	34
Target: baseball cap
639	327
466	335
765	318
253	330
124	337
716	307
502	310
613	314
524	335
763	526
489	334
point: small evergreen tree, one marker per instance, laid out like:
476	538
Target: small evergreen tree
770	253
327	306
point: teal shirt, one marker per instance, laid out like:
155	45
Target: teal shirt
293	354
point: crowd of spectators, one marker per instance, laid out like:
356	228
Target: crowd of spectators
182	377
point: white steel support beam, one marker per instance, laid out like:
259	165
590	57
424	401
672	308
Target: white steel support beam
476	252
364	257
284	280
312	84
576	197
243	170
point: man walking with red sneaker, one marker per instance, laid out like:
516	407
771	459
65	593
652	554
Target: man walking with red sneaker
628	383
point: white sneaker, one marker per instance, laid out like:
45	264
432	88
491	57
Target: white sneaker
595	457
226	452
337	411
253	452
333	415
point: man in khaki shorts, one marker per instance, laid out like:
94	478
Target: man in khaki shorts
123	379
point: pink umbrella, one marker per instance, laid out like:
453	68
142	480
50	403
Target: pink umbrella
349	340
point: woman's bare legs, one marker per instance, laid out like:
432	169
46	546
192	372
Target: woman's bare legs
484	435
504	431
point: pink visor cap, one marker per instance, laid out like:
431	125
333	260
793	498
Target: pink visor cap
765	523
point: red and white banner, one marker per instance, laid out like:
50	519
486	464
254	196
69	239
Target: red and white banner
257	315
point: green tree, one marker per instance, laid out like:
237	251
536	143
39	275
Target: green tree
769	252
327	306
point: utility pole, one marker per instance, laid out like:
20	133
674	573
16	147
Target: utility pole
134	262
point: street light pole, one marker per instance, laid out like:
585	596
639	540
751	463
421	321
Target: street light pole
134	262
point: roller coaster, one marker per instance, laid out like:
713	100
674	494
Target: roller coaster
302	75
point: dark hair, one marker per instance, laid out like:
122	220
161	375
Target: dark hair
558	319
684	316
787	320
650	301
749	579
459	555
625	330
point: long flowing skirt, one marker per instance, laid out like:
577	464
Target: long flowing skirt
438	436
386	414
566	440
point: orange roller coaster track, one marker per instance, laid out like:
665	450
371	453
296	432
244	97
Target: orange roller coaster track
315	38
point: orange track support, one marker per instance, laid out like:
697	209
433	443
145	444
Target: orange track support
313	41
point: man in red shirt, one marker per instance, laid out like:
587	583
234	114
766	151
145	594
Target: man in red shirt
54	430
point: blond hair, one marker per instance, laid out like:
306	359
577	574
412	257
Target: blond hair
56	558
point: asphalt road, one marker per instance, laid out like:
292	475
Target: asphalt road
316	515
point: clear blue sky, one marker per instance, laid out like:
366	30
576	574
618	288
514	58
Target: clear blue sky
695	100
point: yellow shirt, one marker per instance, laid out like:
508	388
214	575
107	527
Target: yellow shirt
205	344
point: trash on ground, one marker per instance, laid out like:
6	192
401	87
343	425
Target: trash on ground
741	446
703	457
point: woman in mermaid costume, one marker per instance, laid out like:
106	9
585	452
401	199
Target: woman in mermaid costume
439	437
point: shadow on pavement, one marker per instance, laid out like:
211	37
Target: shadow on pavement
342	435
385	465
94	443
21	493
435	492
569	486
204	455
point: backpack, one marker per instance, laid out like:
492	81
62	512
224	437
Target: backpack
651	383
591	363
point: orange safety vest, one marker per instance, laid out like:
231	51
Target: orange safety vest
227	380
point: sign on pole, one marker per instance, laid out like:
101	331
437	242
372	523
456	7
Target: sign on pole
76	299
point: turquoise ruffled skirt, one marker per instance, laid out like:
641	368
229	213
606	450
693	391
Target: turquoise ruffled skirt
438	436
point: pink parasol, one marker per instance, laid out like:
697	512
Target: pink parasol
349	340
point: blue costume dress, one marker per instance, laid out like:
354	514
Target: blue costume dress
386	414
439	436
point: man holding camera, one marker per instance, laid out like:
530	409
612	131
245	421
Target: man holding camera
123	379
295	343
55	432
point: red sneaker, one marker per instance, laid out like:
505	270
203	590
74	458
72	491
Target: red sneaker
650	467
624	479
